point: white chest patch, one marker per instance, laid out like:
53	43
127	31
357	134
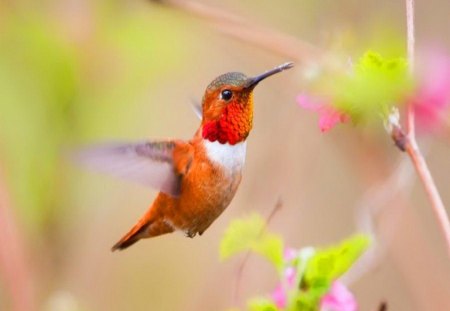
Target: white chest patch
230	157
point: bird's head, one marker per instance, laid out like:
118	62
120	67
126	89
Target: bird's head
227	106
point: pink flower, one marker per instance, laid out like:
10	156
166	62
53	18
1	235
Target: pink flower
432	98
289	254
279	297
289	276
338	298
328	115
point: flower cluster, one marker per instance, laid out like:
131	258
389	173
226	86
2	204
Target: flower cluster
375	85
336	298
309	277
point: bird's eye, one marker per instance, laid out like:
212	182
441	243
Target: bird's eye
226	95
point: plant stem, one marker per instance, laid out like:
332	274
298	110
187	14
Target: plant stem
249	32
243	263
430	187
410	43
410	32
411	146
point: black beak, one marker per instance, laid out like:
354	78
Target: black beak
253	81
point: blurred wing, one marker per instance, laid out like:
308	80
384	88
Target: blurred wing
149	163
197	109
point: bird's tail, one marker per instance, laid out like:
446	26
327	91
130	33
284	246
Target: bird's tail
148	226
134	235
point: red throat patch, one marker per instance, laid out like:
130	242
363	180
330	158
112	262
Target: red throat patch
233	126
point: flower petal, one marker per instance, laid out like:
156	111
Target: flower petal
279	297
289	274
290	254
433	95
338	298
308	102
328	115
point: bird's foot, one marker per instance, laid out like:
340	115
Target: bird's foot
190	234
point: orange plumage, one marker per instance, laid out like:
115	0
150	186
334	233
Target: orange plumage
197	178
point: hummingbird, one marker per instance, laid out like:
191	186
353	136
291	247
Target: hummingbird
196	179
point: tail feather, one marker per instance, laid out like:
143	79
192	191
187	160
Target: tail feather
150	225
145	228
134	235
124	243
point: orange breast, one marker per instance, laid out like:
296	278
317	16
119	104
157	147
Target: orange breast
207	188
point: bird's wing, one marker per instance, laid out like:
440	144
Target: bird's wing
197	109
159	164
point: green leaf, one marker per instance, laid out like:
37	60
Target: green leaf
262	304
376	84
250	234
308	300
322	268
330	263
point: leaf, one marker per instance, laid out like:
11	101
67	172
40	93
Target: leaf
271	247
308	300
375	85
322	267
262	304
250	234
330	263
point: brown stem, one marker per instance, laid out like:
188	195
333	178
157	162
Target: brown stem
410	142
430	188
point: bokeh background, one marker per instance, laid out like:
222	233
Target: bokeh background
75	72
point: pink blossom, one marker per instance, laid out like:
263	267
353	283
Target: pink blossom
338	298
290	254
432	98
289	276
328	115
279	297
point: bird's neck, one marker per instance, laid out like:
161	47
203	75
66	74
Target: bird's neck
229	157
233	125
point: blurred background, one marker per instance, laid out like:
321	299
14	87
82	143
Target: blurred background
75	72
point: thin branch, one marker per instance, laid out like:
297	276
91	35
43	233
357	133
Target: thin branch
411	59
244	261
433	194
383	306
410	142
250	32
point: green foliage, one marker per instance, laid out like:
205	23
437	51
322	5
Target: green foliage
262	304
307	300
325	266
250	234
315	269
330	263
372	88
